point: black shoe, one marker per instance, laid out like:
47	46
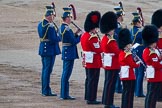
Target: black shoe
93	102
51	94
159	99
141	96
118	91
68	98
112	106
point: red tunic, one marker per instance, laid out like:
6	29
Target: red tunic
91	43
111	46
151	58
159	44
126	59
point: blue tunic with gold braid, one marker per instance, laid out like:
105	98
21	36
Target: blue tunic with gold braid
136	33
69	42
48	39
69	54
48	49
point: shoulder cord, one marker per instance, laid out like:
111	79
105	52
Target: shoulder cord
63	33
135	35
41	39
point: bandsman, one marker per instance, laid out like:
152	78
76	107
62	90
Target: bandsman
48	48
136	35
120	18
69	52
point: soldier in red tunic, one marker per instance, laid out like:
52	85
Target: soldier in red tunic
157	21
153	70
90	43
111	51
128	64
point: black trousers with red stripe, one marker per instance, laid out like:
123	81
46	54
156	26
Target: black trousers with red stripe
152	94
91	83
128	93
109	87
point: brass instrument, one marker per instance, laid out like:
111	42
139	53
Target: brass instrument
135	56
138	59
74	18
77	26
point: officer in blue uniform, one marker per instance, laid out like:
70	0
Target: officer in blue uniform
48	48
136	33
69	52
120	13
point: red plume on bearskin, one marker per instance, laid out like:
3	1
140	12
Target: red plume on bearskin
92	21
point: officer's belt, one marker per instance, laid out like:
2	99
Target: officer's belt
44	40
66	44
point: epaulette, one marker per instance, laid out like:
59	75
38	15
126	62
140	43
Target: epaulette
110	40
45	33
51	25
140	29
152	51
127	53
67	27
119	25
92	36
160	36
44	25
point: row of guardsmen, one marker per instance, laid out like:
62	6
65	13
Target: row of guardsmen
118	52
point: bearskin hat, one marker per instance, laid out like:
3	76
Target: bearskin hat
157	18
108	22
150	34
92	21
124	38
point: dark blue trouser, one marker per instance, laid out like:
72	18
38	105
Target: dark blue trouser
91	83
152	94
67	70
109	87
47	67
118	86
128	93
139	80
